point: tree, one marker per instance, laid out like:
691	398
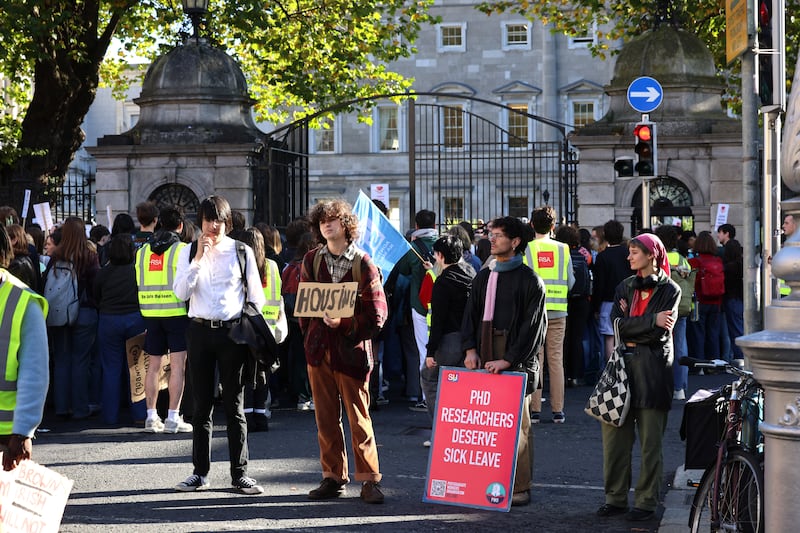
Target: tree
625	19
299	56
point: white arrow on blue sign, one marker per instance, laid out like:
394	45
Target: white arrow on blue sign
645	94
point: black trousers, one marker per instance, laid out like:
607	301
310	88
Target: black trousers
208	349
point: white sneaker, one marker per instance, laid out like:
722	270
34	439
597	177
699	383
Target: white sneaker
153	425
177	426
426	444
304	405
679	395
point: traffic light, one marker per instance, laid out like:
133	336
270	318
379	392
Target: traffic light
624	167
764	47
645	133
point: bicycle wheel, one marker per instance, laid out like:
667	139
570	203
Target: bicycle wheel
740	496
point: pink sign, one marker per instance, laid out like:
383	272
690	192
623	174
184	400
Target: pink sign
473	453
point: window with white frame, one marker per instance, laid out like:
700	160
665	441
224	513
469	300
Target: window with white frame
386	125
324	138
517	126
453	126
451	37
583	112
586	39
516	35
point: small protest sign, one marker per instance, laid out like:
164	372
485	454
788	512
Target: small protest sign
137	367
335	299
32	498
473	454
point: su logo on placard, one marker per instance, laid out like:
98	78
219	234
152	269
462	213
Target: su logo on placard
452	376
546	259
156	263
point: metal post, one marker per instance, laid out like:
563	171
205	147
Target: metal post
771	193
412	163
645	203
750	197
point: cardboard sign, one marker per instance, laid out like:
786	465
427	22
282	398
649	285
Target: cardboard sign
473	455
44	217
138	362
335	299
32	498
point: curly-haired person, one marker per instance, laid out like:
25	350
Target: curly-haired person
339	352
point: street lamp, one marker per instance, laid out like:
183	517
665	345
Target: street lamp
196	9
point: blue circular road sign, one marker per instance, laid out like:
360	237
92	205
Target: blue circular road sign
645	94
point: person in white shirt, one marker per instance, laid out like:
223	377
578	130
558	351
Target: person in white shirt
210	278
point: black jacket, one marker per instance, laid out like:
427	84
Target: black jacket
650	366
448	300
609	269
523	292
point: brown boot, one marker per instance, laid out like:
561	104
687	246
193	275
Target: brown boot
371	492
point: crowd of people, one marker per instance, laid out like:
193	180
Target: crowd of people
538	297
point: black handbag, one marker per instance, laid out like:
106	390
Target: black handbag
252	329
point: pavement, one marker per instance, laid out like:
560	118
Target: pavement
124	478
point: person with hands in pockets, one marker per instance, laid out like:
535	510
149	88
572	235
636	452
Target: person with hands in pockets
646	309
211	279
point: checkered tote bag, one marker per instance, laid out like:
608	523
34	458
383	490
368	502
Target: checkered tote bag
611	398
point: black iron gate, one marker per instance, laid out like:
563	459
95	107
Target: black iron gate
462	165
280	185
466	167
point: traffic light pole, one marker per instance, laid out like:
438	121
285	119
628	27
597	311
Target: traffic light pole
646	179
771	194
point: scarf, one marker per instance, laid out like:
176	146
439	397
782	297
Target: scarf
655	247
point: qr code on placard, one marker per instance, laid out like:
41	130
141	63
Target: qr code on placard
438	488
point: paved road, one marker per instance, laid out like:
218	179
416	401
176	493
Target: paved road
124	478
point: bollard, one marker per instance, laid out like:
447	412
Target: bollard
774	356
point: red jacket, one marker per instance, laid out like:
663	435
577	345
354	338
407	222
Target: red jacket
350	345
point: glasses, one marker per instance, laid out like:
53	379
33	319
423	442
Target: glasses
495	236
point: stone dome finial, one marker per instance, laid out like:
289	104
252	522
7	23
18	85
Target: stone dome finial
195	93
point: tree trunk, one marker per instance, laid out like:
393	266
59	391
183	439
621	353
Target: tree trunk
65	80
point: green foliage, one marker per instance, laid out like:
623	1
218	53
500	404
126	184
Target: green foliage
299	56
625	19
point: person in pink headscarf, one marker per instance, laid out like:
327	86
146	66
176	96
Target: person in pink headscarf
645	309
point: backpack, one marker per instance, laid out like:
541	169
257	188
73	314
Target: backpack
583	281
712	276
61	292
685	282
356	268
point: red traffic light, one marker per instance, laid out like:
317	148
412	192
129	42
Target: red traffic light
643	132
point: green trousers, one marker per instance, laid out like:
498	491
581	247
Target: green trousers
618	453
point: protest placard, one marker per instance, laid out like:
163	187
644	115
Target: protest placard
32	499
473	455
335	299
137	367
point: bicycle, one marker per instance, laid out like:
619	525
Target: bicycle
730	496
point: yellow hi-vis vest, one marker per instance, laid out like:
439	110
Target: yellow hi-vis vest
428	316
272	292
548	258
155	275
14	298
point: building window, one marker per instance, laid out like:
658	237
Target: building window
325	137
517	126
387	128
453	210
583	113
453	122
516	36
452	37
518	206
585	40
